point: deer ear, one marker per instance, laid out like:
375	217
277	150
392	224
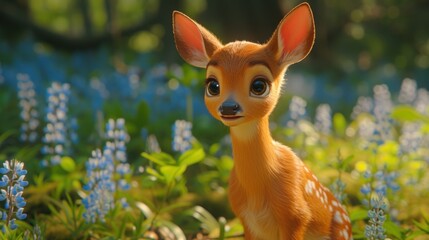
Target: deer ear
294	37
194	43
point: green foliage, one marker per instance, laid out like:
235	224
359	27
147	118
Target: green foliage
407	113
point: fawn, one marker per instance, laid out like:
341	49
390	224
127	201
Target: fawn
271	191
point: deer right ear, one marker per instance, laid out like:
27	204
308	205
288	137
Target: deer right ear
294	37
194	43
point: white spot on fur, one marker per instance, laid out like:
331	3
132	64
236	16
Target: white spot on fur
337	217
345	234
325	197
345	217
309	187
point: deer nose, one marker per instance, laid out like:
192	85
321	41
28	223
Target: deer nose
229	107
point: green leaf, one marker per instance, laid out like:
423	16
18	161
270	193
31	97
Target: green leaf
174	206
208	221
161	158
358	214
67	163
393	229
172	229
340	124
192	156
171	172
6	135
154	173
407	113
424	227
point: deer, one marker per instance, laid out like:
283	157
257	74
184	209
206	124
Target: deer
270	190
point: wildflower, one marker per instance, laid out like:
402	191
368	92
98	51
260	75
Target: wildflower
338	189
366	131
407	93
100	186
422	101
182	135
378	131
73	127
116	139
152	144
296	111
382	108
363	105
28	104
386	180
375	191
411	138
374	229
101	169
55	138
12	186
324	119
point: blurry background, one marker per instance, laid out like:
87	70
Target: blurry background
69	68
97	45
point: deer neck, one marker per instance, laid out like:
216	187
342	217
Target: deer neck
254	153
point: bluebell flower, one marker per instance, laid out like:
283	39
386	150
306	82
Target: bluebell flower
408	91
100	199
323	119
101	169
182	136
365	189
12	187
382	108
411	138
338	188
117	137
296	112
363	105
421	102
374	229
55	132
73	127
28	104
375	132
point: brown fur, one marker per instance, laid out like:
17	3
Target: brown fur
270	189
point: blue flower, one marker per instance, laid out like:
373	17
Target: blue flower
28	104
12	224
182	136
297	111
100	185
56	130
4	181
365	189
4	170
117	137
323	119
12	187
407	93
374	229
20	214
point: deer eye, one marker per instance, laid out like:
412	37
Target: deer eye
212	87
259	87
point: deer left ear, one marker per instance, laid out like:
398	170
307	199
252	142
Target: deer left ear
294	37
194	43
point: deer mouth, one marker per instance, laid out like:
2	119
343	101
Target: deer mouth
230	118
